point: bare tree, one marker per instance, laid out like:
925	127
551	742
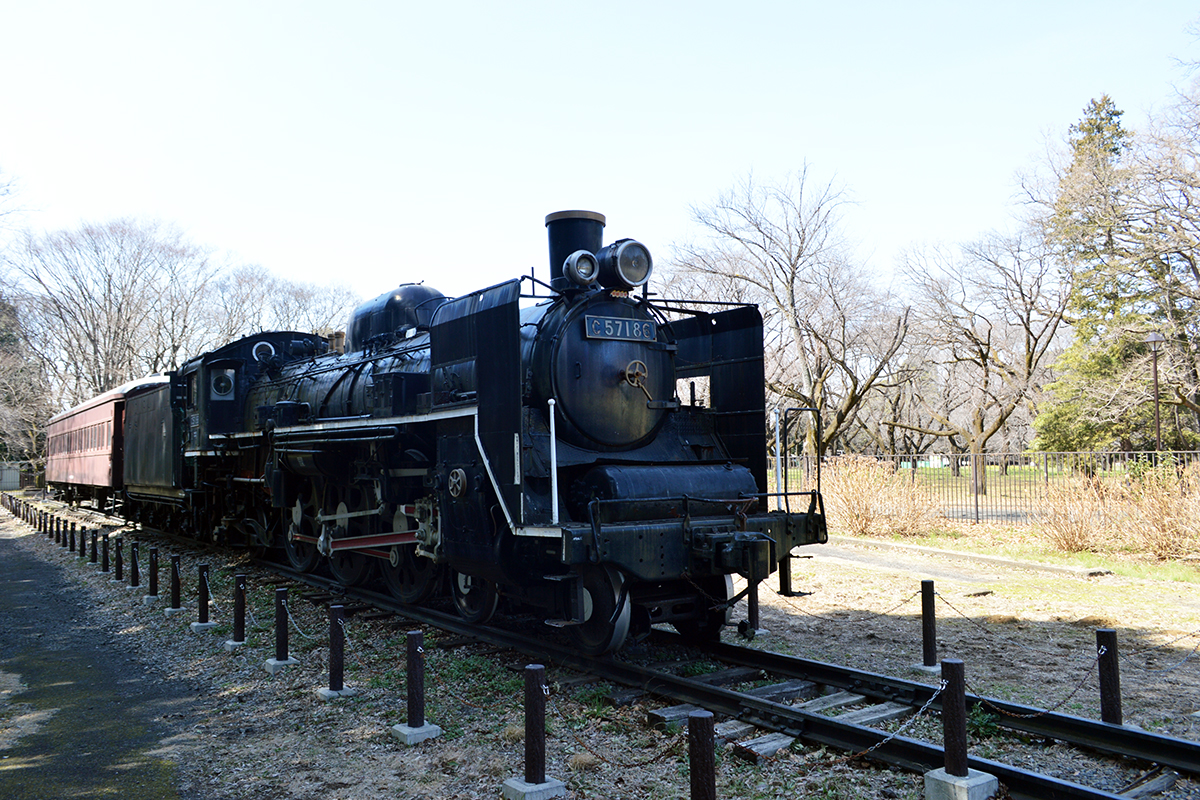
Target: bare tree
107	303
990	317
831	333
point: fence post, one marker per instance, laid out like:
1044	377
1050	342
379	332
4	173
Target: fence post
337	656
95	538
956	778
535	742
153	570
239	614
417	729
176	602
104	554
119	562
134	574
928	627
202	624
1110	676
702	761
281	659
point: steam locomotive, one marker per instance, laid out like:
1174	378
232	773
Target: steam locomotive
550	449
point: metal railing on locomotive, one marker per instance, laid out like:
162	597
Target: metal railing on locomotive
783	496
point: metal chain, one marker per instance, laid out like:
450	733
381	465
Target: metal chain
907	724
677	740
293	620
992	706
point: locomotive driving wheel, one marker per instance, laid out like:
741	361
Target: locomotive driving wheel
349	567
303	556
411	578
475	598
606	611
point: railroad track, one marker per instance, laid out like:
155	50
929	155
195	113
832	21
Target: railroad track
773	708
787	711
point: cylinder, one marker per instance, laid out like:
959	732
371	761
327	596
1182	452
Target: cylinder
954	717
702	762
202	591
134	575
104	554
1110	676
752	608
71	540
785	577
337	645
239	608
535	724
95	559
416	679
119	561
281	624
928	625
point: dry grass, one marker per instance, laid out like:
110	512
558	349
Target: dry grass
1155	512
867	497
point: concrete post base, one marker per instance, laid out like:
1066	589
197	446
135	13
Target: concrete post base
149	599
332	694
411	736
202	627
936	669
274	665
518	789
170	612
230	645
940	785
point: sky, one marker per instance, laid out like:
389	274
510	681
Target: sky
378	143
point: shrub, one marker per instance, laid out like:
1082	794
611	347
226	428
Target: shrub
865	496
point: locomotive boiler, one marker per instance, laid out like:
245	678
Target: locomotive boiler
590	452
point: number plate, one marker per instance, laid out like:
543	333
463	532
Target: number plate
630	330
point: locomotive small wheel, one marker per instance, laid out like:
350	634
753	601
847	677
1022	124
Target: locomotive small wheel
457	483
303	556
475	598
707	626
410	578
605	626
348	567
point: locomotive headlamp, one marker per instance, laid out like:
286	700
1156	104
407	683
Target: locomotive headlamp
624	264
581	268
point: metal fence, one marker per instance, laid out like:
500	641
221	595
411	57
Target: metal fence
1014	486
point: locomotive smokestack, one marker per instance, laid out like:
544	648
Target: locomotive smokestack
570	231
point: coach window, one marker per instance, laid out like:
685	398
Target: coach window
191	390
222	382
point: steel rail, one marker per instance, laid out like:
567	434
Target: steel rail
1105	737
812	728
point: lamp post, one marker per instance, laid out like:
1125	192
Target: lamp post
1155	340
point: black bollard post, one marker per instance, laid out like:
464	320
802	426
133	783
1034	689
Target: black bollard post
71	541
83	540
1110	676
64	541
417	729
95	538
416	679
134	576
281	659
153	572
202	590
954	717
337	649
535	724
104	554
175	581
702	760
119	561
928	625
239	608
57	535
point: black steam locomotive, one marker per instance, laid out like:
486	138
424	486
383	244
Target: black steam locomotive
552	452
